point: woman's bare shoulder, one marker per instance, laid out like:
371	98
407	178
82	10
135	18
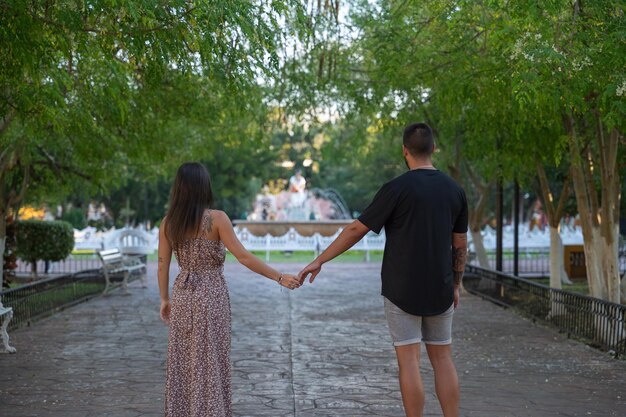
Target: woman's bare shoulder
216	213
218	216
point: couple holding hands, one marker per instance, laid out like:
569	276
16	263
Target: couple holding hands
424	213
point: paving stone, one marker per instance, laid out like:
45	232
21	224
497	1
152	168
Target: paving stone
320	351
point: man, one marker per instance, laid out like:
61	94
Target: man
424	213
297	185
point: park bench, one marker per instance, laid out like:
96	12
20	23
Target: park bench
118	267
6	313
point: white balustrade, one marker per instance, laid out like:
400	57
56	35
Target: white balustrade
294	241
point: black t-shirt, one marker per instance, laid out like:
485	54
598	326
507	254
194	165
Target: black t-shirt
419	210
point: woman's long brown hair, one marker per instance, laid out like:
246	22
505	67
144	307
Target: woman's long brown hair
191	195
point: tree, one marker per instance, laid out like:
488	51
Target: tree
574	57
507	83
93	90
44	240
431	61
555	210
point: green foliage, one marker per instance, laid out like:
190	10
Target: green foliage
75	217
358	159
44	240
104	100
493	79
97	92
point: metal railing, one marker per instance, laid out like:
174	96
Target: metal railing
42	298
531	261
535	261
598	322
70	265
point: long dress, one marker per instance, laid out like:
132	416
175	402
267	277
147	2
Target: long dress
198	377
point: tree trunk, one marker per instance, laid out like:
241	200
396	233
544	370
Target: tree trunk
599	214
602	268
2	242
599	218
558	275
11	193
604	282
476	214
601	261
3	239
479	248
554	214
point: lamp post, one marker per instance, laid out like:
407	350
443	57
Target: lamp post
516	229
499	214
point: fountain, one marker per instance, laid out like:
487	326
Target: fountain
317	210
332	195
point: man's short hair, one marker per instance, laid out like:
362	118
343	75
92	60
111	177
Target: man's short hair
418	139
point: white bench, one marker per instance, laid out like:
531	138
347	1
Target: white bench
7	314
116	265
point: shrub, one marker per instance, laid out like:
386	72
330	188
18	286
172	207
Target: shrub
44	240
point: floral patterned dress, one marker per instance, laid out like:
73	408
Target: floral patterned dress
198	377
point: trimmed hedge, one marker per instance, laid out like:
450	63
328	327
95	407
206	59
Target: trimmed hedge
44	240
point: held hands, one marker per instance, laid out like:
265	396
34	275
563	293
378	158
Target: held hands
295	281
289	281
313	268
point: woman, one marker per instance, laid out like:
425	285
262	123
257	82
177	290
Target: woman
198	314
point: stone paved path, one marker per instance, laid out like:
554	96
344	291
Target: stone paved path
320	351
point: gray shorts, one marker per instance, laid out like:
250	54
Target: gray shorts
407	329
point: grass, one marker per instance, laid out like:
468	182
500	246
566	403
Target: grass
89	252
46	302
63	295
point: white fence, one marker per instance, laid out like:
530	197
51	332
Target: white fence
293	241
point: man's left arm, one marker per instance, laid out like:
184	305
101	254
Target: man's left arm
459	257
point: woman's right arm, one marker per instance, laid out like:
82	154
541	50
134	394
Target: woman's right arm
165	257
247	259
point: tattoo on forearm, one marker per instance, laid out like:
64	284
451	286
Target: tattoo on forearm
458	277
459	256
160	260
